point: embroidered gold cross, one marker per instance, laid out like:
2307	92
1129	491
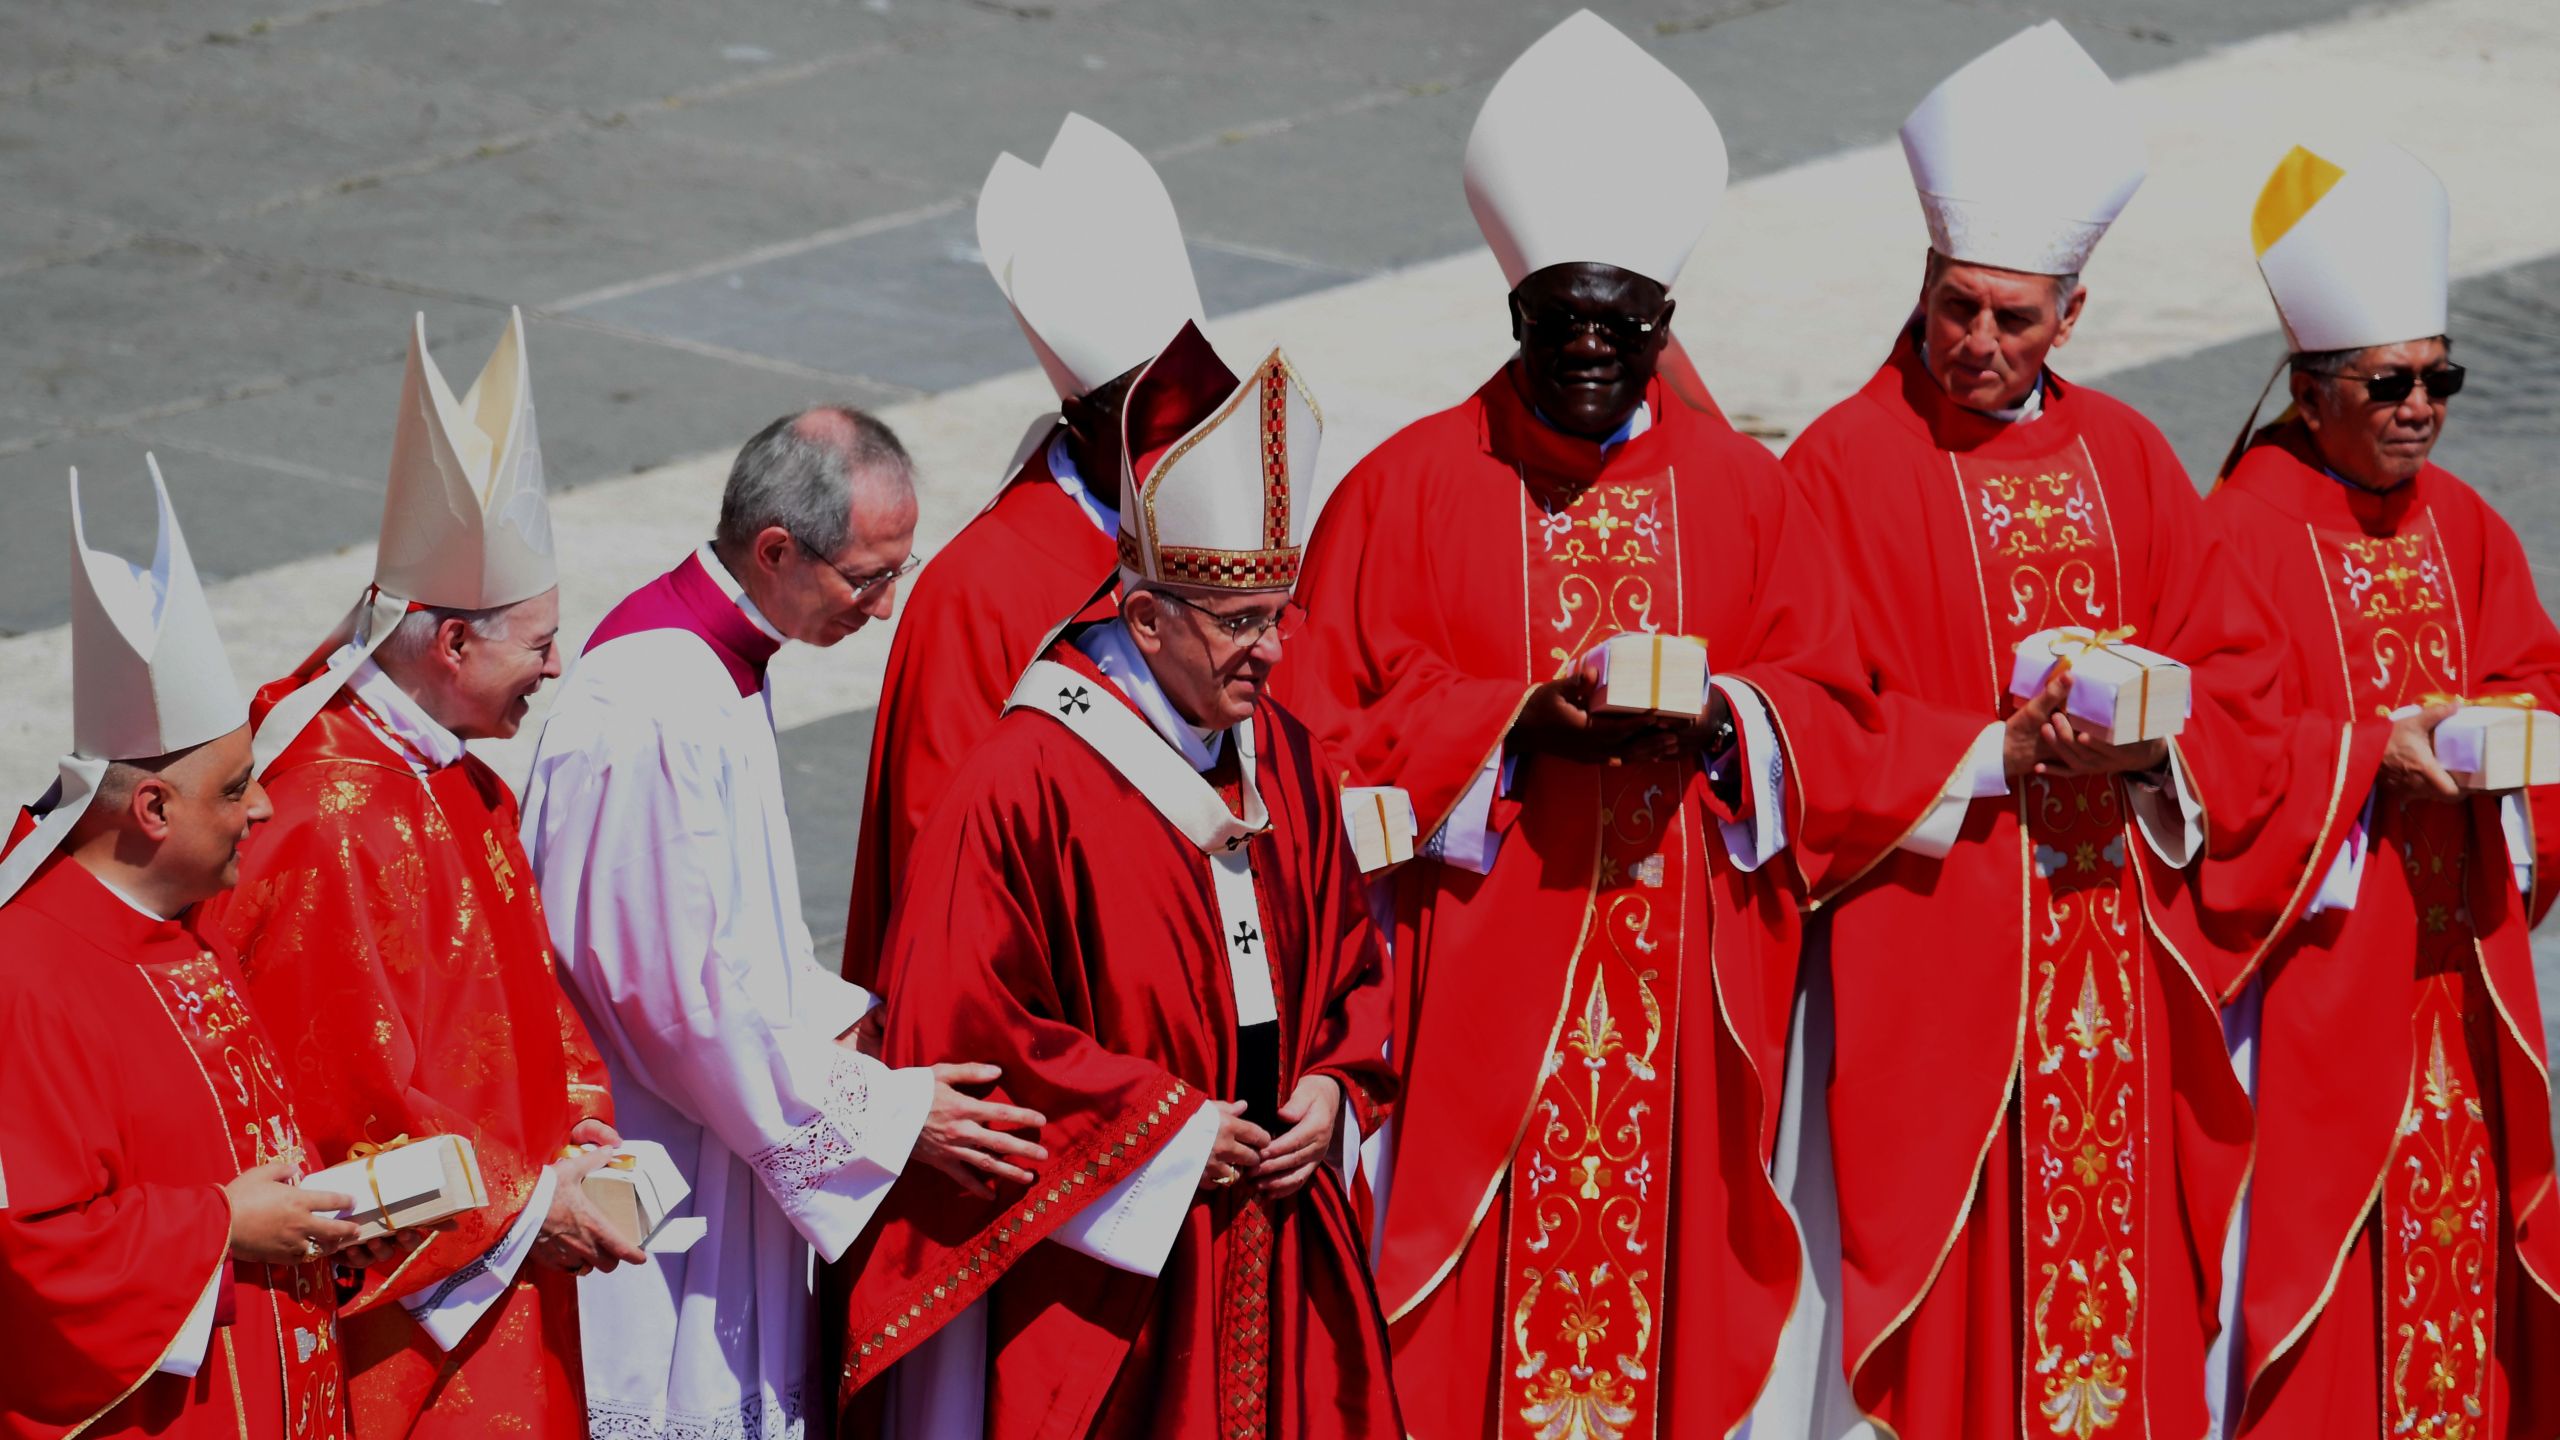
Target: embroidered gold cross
499	868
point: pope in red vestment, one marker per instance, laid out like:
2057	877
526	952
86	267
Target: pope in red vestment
137	1084
1133	932
2402	1256
387	921
1973	1132
974	619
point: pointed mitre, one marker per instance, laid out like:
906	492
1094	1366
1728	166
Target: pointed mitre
148	674
466	524
2025	156
2355	256
1087	250
1218	474
1590	150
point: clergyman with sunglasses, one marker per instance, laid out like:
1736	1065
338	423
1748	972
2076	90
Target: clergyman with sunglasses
2399	1216
654	821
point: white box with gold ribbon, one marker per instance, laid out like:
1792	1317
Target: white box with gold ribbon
406	1184
637	1190
1651	674
2125	692
2500	743
1382	825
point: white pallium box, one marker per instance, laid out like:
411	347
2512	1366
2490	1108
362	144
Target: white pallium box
638	1189
412	1183
1650	674
1382	825
2497	745
2126	692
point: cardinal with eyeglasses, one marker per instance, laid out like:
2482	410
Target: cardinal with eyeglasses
2402	1257
1138	899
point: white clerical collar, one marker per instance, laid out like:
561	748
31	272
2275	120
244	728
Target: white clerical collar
138	907
2025	410
1638	421
736	592
1062	468
396	716
1115	653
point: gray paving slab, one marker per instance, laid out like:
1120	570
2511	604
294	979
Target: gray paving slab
582	210
54	40
823	766
240	516
252	125
910	306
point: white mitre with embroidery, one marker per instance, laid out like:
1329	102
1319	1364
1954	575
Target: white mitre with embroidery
1088	251
2025	156
1590	150
149	676
466	524
1217	477
2355	256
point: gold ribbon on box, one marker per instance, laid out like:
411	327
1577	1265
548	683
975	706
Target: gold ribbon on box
1386	836
2518	701
2080	640
368	1151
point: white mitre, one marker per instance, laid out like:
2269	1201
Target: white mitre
2025	156
2356	256
1590	150
1089	253
148	673
466	523
1217	474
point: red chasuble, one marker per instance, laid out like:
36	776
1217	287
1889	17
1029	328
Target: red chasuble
389	926
972	623
1057	925
134	1085
2402	1251
2037	1138
1580	1230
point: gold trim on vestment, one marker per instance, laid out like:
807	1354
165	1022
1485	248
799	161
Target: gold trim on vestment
239	1401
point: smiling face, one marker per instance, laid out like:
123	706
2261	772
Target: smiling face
1989	330
2377	444
1590	336
490	680
1211	676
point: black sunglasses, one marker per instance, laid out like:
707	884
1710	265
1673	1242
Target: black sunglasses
1554	329
2443	382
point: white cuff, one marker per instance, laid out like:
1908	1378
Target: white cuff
1346	1141
2517	822
1753	841
1983	773
831	1174
187	1351
2339	887
1132	1225
449	1310
2170	816
1466	838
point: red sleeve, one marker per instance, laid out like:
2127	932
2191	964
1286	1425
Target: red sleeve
1370	672
98	1269
1345	1035
330	947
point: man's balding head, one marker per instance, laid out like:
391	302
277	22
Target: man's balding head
819	504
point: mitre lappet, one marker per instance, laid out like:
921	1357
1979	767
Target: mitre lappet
1553	182
2025	156
148	673
466	524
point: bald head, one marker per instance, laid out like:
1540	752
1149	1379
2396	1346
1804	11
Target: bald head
818	519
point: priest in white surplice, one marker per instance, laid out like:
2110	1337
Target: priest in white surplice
654	816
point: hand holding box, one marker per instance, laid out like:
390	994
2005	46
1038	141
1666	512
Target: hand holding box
405	1183
2123	691
637	1191
1650	674
2498	742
